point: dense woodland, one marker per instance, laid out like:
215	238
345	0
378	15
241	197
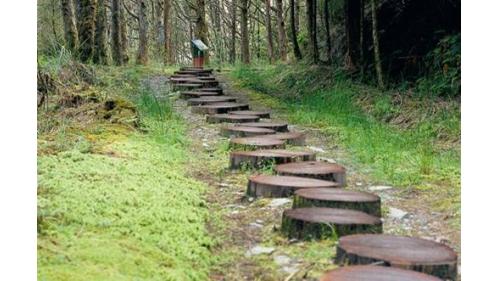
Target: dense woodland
379	41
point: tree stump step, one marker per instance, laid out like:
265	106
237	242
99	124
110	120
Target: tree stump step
254	143
261	114
375	273
314	169
228	118
195	72
215	108
325	223
291	138
399	251
211	89
198	94
241	131
186	86
266	157
210	99
283	186
278	127
338	198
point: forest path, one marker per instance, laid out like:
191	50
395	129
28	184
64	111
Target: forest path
249	246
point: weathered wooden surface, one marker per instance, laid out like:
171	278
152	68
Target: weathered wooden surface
375	273
261	114
399	251
278	127
180	86
241	131
291	138
210	99
215	108
228	118
282	186
314	169
211	89
327	223
198	94
262	158
254	143
338	198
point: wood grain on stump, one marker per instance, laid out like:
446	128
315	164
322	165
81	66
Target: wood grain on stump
338	198
211	89
241	131
314	169
278	127
254	143
262	158
210	99
282	186
198	94
326	223
399	251
261	114
228	118
215	108
291	138
375	273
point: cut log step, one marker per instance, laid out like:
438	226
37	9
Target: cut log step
186	86
375	273
228	118
261	114
240	131
399	251
262	158
215	108
278	127
254	143
197	73
210	99
314	169
283	186
325	223
291	138
211	89
198	94
338	198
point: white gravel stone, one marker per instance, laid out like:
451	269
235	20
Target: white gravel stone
258	250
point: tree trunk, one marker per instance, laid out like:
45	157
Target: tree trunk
86	26
201	29
311	26
232	49
296	48
376	47
123	34
70	31
142	51
101	34
327	31
269	37
166	32
116	42
361	38
351	22
281	30
245	44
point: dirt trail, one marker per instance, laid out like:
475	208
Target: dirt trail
250	248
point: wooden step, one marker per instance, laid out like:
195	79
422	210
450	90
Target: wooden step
283	186
198	94
399	251
228	118
278	127
210	99
338	198
254	143
262	158
211	89
180	86
215	108
261	114
314	169
197	73
291	138
327	223
375	273
240	131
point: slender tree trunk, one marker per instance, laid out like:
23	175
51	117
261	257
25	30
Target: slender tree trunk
311	26
361	38
101	34
296	48
201	29
70	31
245	44
351	21
232	49
297	16
166	32
116	42
376	47
123	34
142	51
86	27
327	30
270	47
281	30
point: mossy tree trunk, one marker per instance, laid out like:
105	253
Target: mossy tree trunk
312	29
142	50
245	44
70	31
376	46
201	28
116	42
269	33
167	31
232	48
86	12
293	25
123	34
351	24
326	11
101	34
